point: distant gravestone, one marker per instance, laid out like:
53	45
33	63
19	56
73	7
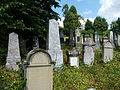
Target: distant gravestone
13	55
87	36
35	42
107	50
118	40
78	41
111	38
88	48
97	41
74	57
54	46
38	71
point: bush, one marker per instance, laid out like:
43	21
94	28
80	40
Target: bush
11	80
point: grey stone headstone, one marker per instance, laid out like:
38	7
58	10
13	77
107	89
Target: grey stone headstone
13	52
35	42
118	40
111	38
78	40
107	51
54	46
38	71
88	48
97	41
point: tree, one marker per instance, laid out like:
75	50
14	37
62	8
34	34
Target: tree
71	21
27	18
100	25
88	25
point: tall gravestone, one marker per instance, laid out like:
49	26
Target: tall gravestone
97	41
88	50
54	47
111	38
13	55
38	71
107	50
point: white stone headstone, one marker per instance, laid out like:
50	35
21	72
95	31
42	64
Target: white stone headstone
54	46
107	51
74	61
88	52
13	52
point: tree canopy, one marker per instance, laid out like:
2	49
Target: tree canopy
88	25
100	25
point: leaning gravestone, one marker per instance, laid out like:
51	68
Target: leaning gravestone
54	47
13	52
107	50
88	49
38	71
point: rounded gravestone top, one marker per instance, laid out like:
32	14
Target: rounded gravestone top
38	57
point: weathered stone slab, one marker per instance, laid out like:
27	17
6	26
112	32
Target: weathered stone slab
38	71
88	48
13	52
54	47
111	38
107	51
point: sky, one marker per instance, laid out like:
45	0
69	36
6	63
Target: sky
109	9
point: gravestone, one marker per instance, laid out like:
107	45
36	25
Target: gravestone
107	50
54	47
61	37
38	71
115	39
97	41
35	42
78	38
87	36
13	55
74	57
88	49
71	41
118	40
111	38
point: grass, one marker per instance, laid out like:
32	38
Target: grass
100	76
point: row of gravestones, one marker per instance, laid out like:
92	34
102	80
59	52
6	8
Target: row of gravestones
114	39
38	68
88	52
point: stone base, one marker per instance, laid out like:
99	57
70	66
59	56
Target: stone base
12	66
57	57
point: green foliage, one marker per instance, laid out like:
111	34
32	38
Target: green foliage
115	26
100	76
88	25
71	21
100	25
27	18
11	80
